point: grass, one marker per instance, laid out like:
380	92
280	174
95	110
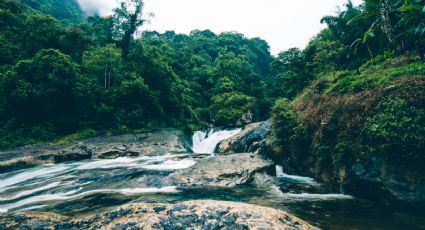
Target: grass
376	74
68	139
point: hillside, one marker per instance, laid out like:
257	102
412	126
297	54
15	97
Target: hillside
356	131
65	11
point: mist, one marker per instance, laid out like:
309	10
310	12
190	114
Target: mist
101	7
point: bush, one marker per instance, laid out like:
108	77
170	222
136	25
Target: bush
377	76
396	131
284	120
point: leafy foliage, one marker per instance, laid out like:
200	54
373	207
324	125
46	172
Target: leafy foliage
284	121
397	131
357	92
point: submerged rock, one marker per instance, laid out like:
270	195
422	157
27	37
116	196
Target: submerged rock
201	214
129	145
224	171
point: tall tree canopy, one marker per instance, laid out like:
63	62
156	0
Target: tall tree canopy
126	20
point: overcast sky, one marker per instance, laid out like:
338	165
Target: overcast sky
282	23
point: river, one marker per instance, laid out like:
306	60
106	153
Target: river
91	186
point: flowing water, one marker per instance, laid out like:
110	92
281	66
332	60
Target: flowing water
206	142
92	186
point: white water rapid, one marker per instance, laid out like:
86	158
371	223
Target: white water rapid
71	186
52	184
206	142
294	178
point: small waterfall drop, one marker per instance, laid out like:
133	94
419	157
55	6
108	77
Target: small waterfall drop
206	142
299	179
279	171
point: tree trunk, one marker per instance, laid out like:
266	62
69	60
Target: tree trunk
386	26
109	79
105	76
128	34
125	44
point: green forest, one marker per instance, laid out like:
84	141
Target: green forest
358	81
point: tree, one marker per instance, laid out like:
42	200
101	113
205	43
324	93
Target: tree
136	105
224	85
386	24
42	89
99	29
292	59
126	20
410	29
40	32
74	42
104	63
291	74
228	108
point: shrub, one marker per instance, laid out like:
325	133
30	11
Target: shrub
284	120
396	131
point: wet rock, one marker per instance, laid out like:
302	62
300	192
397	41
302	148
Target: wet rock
201	214
73	153
248	140
376	179
19	163
223	171
263	178
386	182
129	145
133	145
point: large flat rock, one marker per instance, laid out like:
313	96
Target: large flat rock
200	214
224	171
132	145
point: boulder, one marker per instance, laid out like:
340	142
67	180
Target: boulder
200	214
248	140
224	171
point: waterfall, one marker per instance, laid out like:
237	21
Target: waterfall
299	179
206	142
279	171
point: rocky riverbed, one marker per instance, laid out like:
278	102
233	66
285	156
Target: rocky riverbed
58	179
200	214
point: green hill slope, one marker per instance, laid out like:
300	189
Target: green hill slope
68	11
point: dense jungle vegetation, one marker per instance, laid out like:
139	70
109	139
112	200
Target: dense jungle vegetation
359	81
362	98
